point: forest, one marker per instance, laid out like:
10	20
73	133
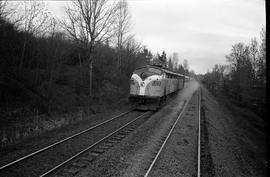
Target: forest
82	63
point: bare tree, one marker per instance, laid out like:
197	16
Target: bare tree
90	22
180	69
241	73
239	56
263	43
133	47
122	25
192	73
3	4
175	59
218	72
53	27
262	57
33	20
253	47
35	17
170	64
186	67
9	11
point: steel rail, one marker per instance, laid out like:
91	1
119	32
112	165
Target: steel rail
89	147
165	141
61	141
199	136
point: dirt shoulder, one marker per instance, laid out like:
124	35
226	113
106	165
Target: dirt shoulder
236	137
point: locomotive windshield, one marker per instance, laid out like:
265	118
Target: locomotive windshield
146	72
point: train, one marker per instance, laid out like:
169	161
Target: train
150	85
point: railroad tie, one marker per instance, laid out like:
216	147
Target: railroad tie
90	157
123	133
72	171
99	150
105	146
108	144
120	135
128	131
94	154
79	164
60	175
118	138
113	141
87	159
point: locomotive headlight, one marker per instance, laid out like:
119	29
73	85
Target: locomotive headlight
156	83
142	84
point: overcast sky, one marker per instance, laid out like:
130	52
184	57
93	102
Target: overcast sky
201	31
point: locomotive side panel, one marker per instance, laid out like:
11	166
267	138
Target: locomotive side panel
181	83
171	85
175	86
154	88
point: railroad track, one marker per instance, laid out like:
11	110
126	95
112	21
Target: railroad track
163	140
94	150
199	134
79	161
29	165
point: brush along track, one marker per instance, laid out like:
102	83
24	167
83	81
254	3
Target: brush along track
44	159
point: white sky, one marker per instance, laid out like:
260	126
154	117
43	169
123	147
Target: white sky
201	31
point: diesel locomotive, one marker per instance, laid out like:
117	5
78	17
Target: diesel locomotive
150	85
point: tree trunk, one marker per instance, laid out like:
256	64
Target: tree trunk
81	76
119	59
22	55
90	77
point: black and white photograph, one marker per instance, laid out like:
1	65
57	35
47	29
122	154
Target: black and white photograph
133	88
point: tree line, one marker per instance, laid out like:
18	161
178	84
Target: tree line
59	65
244	78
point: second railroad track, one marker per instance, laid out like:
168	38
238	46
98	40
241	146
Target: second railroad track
58	156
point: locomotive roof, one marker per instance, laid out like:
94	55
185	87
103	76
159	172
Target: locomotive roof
162	69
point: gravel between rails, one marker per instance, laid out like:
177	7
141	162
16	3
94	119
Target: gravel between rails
131	155
179	156
207	165
44	161
103	145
